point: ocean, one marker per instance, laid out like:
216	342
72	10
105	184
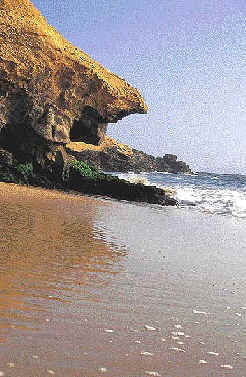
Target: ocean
221	194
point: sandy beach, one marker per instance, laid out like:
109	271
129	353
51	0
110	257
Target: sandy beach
92	287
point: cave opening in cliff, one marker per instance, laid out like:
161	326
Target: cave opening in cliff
87	127
84	131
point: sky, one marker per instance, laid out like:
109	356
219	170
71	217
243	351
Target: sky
188	60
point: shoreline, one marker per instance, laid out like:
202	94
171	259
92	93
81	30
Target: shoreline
81	278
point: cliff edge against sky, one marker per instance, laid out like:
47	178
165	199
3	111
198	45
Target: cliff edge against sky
56	102
52	94
50	91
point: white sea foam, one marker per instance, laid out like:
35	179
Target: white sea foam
226	366
144	353
218	201
176	349
213	353
177	333
142	178
214	194
108	330
150	328
152	373
199	312
135	178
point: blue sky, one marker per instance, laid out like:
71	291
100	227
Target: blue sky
188	60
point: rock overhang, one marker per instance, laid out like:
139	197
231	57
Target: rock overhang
50	89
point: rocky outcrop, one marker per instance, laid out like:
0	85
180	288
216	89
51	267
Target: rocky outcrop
53	95
51	92
113	156
82	178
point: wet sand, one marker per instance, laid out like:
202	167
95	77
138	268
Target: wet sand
94	287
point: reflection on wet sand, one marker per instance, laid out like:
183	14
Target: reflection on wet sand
47	250
74	303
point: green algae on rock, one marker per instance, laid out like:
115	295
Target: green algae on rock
80	177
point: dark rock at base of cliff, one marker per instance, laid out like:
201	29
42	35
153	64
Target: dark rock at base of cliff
120	189
69	178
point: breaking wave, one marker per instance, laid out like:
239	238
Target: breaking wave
222	194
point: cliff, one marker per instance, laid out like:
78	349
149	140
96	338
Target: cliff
51	92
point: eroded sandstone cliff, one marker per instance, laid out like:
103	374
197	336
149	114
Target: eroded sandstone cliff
51	92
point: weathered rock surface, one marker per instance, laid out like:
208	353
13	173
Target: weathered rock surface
113	156
50	91
52	94
74	179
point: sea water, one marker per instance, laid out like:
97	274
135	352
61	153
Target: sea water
222	194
